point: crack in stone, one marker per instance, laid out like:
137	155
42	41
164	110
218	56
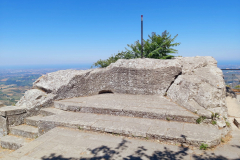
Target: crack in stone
173	81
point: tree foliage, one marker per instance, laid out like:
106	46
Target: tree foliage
157	46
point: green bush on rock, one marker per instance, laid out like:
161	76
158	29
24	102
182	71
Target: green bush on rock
157	47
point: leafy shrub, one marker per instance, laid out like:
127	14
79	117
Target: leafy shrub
157	47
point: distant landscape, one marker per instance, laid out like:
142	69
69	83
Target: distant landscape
15	82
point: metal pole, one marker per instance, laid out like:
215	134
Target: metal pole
142	36
232	81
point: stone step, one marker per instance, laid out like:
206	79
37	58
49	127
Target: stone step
143	106
49	111
13	142
33	121
24	131
177	132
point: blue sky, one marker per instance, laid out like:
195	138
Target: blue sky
60	32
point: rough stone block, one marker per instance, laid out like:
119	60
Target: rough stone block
12	142
3	126
11	110
24	131
33	121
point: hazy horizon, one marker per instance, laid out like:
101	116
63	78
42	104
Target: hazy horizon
87	66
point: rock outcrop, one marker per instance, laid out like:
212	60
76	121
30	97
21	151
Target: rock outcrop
193	82
135	76
201	87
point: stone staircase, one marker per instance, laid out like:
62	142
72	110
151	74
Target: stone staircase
23	134
149	117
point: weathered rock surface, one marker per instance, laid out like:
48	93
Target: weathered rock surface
193	82
35	98
136	76
201	87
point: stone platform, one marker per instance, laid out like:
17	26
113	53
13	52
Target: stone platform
74	144
143	116
143	106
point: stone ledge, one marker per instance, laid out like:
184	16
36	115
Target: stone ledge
11	110
177	132
142	106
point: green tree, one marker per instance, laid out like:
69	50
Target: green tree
157	46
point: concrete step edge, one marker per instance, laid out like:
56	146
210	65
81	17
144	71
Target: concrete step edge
24	131
119	112
212	139
13	142
50	111
33	121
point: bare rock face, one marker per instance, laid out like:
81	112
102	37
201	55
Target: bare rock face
34	99
135	76
201	87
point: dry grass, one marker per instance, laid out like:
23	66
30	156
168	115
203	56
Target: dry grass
4	80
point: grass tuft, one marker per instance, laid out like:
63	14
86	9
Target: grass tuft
228	124
214	122
200	119
203	146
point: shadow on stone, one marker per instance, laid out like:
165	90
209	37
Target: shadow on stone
237	146
122	152
104	91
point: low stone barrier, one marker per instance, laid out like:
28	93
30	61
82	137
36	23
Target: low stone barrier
10	115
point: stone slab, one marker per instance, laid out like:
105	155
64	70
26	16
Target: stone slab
233	107
33	121
11	110
144	106
49	111
132	126
65	143
13	142
24	131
